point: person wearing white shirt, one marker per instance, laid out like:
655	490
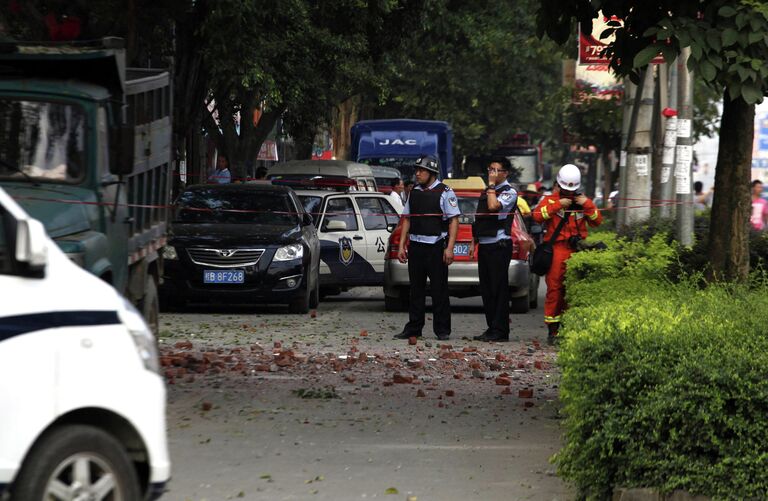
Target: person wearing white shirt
396	195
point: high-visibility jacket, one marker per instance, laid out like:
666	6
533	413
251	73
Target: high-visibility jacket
550	212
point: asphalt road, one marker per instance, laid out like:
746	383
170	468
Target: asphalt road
264	405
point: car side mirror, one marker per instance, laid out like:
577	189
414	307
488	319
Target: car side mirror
31	247
122	144
306	219
336	225
391	227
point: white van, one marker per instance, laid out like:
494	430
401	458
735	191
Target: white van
340	175
82	403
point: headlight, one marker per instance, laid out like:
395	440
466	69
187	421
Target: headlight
169	252
289	252
146	347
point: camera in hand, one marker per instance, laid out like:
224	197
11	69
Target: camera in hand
573	242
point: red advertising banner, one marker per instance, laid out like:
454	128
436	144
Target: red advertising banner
591	46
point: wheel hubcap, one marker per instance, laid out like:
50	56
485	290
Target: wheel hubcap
83	477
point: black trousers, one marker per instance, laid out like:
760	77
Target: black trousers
426	260
493	267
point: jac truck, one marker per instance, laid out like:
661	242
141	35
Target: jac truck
85	148
399	142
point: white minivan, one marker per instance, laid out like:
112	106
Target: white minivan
82	403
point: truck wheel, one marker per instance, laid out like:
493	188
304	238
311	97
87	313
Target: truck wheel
314	297
520	304
77	462
150	305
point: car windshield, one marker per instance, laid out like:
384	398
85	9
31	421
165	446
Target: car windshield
468	207
42	140
235	207
312	205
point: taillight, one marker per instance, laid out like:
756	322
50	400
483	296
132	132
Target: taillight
394	244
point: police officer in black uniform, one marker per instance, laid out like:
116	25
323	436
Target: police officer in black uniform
432	233
491	233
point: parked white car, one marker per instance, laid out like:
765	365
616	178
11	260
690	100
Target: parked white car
353	228
83	403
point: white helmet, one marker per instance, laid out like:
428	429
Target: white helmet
569	177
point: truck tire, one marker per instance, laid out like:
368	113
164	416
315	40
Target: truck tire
150	305
520	304
77	459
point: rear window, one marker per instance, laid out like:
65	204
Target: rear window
468	207
235	207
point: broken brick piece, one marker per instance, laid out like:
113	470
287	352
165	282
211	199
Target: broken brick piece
506	391
421	393
363	333
183	345
528	403
401	379
503	381
525	393
412	340
449	393
206	406
469	349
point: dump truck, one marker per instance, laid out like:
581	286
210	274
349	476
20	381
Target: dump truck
85	147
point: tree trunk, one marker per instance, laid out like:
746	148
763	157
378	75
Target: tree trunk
728	247
345	116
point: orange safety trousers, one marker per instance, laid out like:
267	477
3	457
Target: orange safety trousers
554	304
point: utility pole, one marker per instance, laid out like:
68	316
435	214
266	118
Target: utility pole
684	151
670	141
659	127
638	170
629	101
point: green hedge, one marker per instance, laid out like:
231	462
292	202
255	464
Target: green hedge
663	385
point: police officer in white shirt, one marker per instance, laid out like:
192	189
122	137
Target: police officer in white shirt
432	230
491	232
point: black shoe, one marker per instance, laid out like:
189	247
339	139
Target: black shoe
552	340
483	336
405	335
497	339
553	329
443	337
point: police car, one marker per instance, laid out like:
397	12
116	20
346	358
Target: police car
83	401
354	228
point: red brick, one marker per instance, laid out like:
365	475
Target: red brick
500	357
184	345
261	368
538	364
503	381
469	349
458	376
363	333
446	346
525	393
206	406
401	379
449	393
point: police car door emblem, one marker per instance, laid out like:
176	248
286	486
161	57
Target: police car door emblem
346	253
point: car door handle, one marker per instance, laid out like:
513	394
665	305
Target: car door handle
357	237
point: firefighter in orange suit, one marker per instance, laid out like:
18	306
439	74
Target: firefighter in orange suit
566	200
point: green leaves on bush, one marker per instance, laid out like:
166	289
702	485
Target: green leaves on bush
664	385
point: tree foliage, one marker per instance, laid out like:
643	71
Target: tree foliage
729	50
476	65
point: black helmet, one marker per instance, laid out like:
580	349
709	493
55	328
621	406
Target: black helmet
428	162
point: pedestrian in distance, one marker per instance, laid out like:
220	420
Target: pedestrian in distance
759	218
492	239
396	195
569	203
221	175
430	225
408	187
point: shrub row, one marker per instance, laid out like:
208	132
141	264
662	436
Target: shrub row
664	384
